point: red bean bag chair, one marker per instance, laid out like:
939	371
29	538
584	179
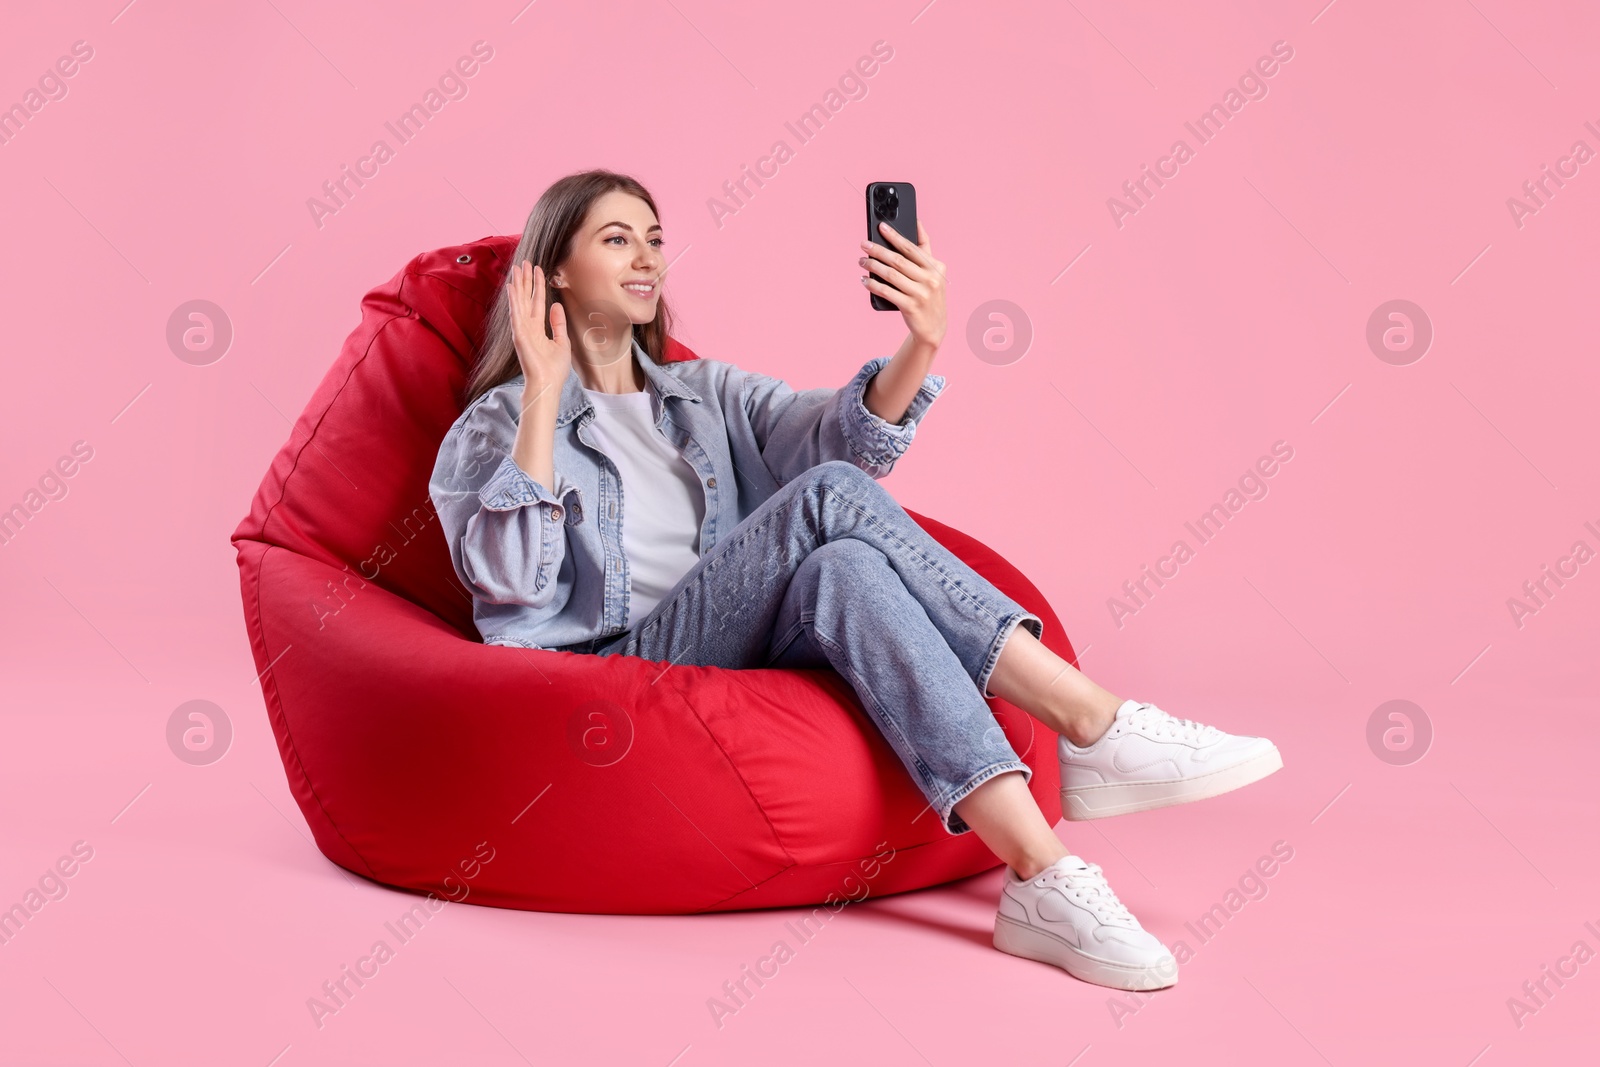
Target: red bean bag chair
551	781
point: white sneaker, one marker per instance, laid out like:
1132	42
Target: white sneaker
1068	916
1148	759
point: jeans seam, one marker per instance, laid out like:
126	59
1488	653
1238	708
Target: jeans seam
951	583
946	578
720	550
794	633
967	787
1007	625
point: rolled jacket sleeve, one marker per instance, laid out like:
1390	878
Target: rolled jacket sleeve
506	531
798	430
875	440
511	487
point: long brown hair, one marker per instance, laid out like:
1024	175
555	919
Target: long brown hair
547	240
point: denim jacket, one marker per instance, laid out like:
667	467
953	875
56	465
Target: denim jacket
545	565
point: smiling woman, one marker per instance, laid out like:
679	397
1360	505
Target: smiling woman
613	502
611	289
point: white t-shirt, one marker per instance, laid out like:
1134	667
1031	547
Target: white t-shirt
663	504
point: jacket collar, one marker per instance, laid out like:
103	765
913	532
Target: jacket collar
665	384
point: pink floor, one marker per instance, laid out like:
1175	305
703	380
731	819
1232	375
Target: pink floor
1431	888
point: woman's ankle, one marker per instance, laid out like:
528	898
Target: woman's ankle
1030	866
1090	719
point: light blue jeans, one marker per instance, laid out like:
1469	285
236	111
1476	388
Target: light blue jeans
831	571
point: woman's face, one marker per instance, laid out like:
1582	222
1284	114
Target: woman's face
612	277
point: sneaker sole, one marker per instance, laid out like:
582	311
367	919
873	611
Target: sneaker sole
1031	943
1103	800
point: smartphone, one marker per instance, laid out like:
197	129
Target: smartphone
896	204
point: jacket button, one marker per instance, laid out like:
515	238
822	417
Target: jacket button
711	482
555	514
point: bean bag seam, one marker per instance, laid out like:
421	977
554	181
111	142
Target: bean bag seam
410	313
883	721
738	773
717	903
283	487
289	733
948	841
283	491
408	274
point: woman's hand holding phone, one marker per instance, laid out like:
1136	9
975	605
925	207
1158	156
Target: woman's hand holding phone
910	279
913	281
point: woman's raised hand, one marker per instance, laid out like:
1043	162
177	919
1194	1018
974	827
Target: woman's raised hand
546	361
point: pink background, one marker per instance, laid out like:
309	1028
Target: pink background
1228	313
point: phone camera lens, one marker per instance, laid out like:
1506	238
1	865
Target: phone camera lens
885	202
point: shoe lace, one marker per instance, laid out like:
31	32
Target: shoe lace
1153	720
1094	892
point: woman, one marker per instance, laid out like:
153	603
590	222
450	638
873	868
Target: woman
598	500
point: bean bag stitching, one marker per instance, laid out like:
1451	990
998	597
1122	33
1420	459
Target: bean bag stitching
733	677
410	313
948	840
310	784
752	889
885	723
283	488
777	839
727	547
444	281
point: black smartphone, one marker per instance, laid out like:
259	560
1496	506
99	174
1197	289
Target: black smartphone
896	204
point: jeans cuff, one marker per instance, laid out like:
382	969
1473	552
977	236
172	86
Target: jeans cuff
947	814
1006	626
